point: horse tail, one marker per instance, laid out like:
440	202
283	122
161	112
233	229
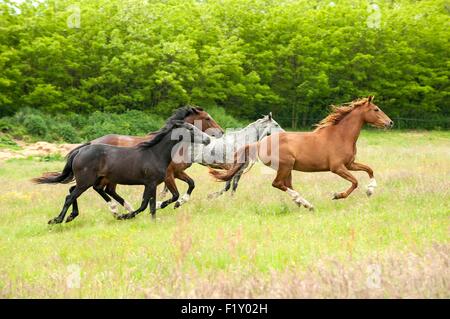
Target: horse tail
66	176
242	158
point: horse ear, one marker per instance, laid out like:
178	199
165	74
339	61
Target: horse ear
370	98
196	109
270	116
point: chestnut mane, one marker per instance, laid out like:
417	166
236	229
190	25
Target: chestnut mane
339	112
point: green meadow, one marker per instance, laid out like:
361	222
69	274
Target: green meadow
257	243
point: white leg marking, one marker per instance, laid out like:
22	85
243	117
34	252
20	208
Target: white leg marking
113	208
158	205
299	200
183	199
371	187
128	207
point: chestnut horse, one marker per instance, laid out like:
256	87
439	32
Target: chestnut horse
189	114
330	147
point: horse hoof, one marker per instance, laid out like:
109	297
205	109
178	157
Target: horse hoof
70	218
177	204
369	192
336	196
54	221
122	217
311	208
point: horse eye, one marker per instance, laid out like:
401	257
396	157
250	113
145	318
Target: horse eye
376	110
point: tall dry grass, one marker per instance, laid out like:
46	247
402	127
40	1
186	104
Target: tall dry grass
394	275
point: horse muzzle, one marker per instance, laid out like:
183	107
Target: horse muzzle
389	124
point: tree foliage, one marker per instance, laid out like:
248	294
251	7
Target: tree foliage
293	58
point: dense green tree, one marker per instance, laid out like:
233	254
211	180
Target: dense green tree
293	58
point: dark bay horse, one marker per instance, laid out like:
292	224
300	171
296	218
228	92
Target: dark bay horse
189	114
146	164
330	147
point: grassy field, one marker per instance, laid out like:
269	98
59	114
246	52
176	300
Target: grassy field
255	244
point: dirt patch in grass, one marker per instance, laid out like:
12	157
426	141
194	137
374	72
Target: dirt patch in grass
25	150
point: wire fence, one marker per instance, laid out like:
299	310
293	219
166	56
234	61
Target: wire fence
400	122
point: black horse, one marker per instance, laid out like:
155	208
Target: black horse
145	164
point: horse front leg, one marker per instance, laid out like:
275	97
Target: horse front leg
144	204
170	183
343	172
153	201
361	167
191	185
111	191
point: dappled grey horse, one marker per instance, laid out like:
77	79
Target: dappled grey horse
219	152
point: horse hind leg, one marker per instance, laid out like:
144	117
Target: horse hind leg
283	181
74	214
233	182
236	179
219	193
70	199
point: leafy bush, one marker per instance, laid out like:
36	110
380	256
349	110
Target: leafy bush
32	125
225	120
5	140
36	125
66	132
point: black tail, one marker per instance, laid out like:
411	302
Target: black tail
66	176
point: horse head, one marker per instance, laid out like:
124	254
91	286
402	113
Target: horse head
374	116
266	126
203	121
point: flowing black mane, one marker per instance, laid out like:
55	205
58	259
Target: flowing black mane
180	114
183	112
159	135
